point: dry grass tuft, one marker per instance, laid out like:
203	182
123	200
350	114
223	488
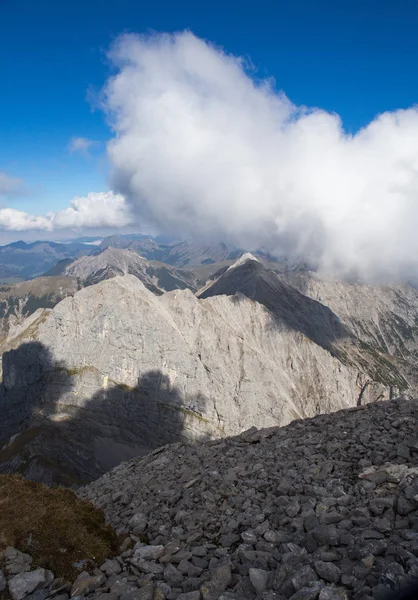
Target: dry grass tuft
52	525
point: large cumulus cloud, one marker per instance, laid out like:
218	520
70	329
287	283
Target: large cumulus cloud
203	149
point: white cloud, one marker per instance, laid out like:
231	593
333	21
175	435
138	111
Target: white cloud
10	186
17	220
81	145
96	210
202	149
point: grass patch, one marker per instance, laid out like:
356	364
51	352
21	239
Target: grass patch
52	525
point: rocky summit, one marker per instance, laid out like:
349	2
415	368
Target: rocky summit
324	508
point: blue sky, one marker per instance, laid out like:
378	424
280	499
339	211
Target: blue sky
355	58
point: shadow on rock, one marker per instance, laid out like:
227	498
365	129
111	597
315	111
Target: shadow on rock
69	438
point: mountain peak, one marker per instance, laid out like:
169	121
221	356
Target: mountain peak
243	259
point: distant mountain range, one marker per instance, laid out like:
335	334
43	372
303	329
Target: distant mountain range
21	261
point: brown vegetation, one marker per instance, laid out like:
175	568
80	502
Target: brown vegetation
52	525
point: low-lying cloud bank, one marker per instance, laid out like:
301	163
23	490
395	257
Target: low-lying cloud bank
201	148
96	210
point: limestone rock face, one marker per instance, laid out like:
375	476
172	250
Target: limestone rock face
116	370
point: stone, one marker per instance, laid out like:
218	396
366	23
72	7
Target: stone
304	576
333	593
327	571
146	592
149	552
24	583
172	575
3	582
325	535
85	584
310	592
138	522
219	581
404	506
259	579
148	566
111	567
187	568
39	595
240	345
16	561
293	509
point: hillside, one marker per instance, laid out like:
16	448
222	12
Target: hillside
170	367
383	317
323	508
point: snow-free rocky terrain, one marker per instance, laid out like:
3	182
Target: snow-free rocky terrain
111	262
114	370
324	508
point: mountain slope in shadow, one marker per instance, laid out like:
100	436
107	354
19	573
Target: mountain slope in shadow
294	310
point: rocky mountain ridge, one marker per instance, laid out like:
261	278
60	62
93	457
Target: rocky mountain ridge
186	368
111	262
299	311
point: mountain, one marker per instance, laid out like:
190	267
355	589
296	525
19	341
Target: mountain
26	261
19	301
145	245
59	268
179	254
325	508
313	319
385	318
191	254
111	262
115	371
